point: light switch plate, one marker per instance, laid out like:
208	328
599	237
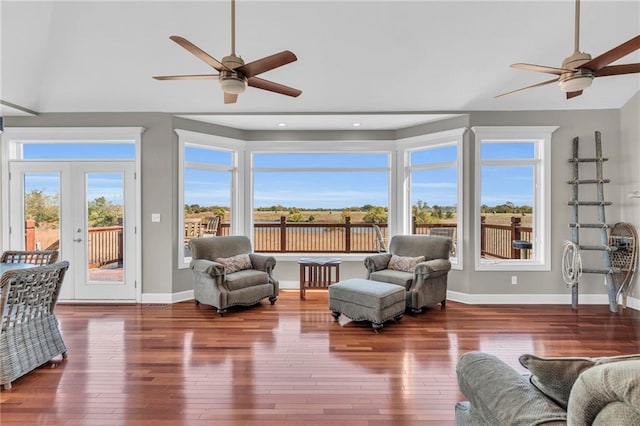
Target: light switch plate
155	217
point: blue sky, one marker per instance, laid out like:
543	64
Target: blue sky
309	189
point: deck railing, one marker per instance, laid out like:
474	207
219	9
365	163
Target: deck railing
106	243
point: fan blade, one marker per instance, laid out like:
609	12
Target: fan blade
230	98
528	87
574	94
617	70
201	54
540	68
612	55
188	77
267	63
263	84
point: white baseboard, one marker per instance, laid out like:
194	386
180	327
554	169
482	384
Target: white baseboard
154	298
470	299
531	299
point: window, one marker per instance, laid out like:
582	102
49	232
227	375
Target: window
208	170
434	187
320	202
512	211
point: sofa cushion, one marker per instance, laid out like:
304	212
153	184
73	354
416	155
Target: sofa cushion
555	376
501	396
607	394
235	263
404	263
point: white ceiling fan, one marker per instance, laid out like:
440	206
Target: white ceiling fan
234	75
578	70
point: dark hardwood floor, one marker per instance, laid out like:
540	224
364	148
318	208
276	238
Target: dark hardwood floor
289	363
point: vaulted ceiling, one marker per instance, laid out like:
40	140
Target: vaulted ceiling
353	56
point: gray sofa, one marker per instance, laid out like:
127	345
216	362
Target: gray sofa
214	282
426	284
559	391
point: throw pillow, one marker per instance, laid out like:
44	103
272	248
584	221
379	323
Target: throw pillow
404	263
235	263
555	377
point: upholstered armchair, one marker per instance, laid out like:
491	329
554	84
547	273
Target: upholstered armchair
226	273
419	263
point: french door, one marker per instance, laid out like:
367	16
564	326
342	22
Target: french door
86	210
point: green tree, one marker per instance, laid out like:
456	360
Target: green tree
375	215
294	215
41	207
102	212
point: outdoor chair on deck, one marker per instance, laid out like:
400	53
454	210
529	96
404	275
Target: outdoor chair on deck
226	273
37	257
419	263
211	225
29	333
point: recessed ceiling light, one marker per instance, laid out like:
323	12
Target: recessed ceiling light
357	124
282	124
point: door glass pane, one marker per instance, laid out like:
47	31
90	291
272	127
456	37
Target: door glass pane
42	211
105	213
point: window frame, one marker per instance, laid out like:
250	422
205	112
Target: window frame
540	136
188	138
425	142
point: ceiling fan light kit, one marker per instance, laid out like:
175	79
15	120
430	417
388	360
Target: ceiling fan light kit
234	75
579	69
577	81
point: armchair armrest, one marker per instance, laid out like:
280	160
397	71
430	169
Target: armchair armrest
214	269
262	262
377	262
433	266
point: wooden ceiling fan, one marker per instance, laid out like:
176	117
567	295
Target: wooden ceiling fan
234	75
579	69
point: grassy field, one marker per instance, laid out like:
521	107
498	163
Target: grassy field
335	216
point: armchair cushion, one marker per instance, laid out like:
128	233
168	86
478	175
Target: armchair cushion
401	278
235	263
404	263
556	376
246	278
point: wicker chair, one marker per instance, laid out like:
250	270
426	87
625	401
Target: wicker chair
29	333
37	257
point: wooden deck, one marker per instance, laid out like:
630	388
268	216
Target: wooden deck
289	363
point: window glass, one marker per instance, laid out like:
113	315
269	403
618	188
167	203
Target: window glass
513	150
434	155
194	154
318	210
434	193
74	151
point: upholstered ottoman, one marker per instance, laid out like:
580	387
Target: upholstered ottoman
365	300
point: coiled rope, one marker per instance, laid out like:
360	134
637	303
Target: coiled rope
571	263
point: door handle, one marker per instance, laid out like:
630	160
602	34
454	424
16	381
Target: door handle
77	240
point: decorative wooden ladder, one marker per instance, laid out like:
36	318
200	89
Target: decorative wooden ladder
602	225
